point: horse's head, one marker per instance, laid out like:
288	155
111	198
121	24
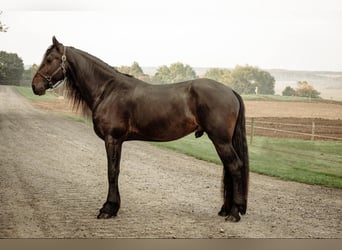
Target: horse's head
52	70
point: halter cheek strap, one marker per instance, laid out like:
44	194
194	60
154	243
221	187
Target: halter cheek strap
62	67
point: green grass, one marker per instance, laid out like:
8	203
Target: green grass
79	118
27	92
317	163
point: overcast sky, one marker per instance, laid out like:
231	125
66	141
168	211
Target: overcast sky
287	34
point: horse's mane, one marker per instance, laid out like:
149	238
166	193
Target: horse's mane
78	103
73	92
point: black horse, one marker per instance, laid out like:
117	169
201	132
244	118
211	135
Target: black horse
125	108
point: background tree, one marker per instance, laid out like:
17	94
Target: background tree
288	91
124	69
163	75
28	74
134	70
244	79
3	27
11	68
177	72
220	75
265	82
304	89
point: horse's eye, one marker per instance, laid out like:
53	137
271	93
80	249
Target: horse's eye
49	60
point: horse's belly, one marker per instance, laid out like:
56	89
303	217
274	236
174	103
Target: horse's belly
165	129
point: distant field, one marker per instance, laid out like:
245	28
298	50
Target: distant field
299	109
280	98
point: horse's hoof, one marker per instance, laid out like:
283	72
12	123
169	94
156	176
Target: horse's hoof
109	210
103	215
223	213
243	209
232	218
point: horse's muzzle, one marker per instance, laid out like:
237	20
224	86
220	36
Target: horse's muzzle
39	89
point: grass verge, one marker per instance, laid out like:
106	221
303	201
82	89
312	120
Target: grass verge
316	163
27	92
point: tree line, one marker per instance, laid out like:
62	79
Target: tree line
11	68
304	89
243	79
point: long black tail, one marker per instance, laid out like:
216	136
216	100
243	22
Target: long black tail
241	148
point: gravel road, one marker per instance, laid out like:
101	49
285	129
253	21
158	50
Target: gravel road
53	181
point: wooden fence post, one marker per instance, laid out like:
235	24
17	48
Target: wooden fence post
252	131
313	131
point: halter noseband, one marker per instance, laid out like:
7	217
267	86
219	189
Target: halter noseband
48	78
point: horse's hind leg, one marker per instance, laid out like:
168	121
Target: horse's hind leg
232	181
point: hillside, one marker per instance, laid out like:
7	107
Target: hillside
327	82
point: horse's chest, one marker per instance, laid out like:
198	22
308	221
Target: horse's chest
109	121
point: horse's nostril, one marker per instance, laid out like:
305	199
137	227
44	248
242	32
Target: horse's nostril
35	89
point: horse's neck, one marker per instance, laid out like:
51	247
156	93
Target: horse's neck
89	77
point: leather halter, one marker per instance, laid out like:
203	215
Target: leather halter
62	67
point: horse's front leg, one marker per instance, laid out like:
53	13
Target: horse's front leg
112	205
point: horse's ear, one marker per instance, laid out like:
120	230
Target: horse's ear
55	41
57	44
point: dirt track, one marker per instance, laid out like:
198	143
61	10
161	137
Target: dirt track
53	181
